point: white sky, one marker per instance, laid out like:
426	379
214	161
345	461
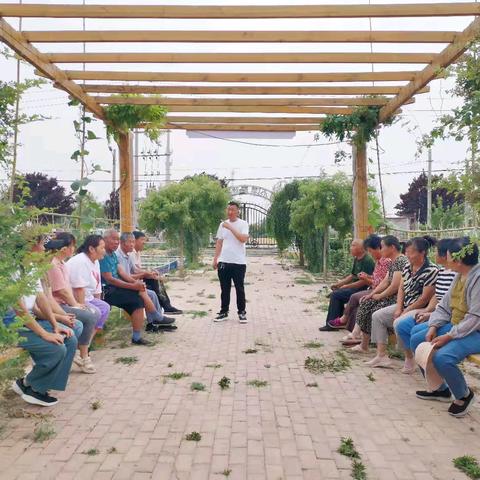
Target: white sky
47	146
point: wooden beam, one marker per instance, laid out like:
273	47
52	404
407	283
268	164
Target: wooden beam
28	52
267	57
446	57
244	128
286	101
228	36
360	192
126	183
241	120
243	11
259	109
187	90
242	77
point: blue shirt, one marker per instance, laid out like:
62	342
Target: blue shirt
109	263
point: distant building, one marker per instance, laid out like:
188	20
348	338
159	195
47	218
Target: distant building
402	223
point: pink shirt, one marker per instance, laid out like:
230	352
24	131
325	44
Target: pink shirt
380	271
58	279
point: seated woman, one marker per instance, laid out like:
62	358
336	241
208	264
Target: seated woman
59	282
50	344
405	327
416	290
383	295
85	279
373	245
454	328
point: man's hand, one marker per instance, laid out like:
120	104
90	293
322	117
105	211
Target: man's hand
227	225
53	338
442	340
215	263
334	287
431	334
139	286
154	274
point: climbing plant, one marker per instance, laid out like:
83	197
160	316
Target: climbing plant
359	127
463	124
125	117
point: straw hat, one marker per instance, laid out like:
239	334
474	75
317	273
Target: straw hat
423	357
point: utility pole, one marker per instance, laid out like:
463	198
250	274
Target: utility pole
114	167
168	161
429	189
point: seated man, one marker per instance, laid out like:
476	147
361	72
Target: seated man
51	345
155	319
123	291
353	283
153	280
454	328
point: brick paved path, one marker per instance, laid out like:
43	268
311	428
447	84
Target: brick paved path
284	430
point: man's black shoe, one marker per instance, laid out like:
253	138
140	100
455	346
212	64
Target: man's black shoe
152	328
439	395
36	398
19	386
164	321
172	310
462	410
221	317
142	342
326	328
165	327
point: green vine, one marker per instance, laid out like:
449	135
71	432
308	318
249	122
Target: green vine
359	127
125	117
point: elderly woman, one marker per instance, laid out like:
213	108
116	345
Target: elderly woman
407	326
454	328
416	290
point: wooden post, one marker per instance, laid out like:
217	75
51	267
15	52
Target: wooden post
360	192
126	183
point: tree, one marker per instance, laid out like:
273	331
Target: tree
187	212
279	215
112	206
322	205
414	201
43	192
222	181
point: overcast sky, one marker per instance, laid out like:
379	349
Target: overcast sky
48	145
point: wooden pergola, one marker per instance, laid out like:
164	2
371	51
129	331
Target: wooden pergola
300	103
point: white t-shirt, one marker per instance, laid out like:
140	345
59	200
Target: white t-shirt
233	250
83	273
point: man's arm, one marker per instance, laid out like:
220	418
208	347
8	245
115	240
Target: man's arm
218	250
358	284
241	237
116	282
344	281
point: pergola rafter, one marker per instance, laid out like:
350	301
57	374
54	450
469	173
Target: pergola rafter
302	99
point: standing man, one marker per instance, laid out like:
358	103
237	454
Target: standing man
231	261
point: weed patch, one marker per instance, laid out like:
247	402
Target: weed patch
257	383
468	465
126	360
339	362
224	383
193	437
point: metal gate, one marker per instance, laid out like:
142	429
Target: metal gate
256	217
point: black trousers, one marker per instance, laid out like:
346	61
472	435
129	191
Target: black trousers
226	273
338	299
159	288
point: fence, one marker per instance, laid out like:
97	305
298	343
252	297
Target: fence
72	222
403	235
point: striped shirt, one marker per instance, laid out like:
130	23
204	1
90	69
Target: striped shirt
414	283
444	280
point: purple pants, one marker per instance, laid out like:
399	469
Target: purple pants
103	309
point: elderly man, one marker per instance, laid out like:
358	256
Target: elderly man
155	319
153	280
363	264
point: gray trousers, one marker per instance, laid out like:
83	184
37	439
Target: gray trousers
158	314
52	361
89	320
382	322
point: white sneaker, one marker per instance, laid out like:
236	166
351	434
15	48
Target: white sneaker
87	366
242	318
77	359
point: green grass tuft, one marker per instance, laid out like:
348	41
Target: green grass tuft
213	365
257	383
371	377
468	465
347	448
224	383
313	344
250	350
43	431
91	452
197	387
193	437
338	363
95	405
177	375
358	470
126	360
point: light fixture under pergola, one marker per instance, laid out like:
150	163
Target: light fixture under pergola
235	108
